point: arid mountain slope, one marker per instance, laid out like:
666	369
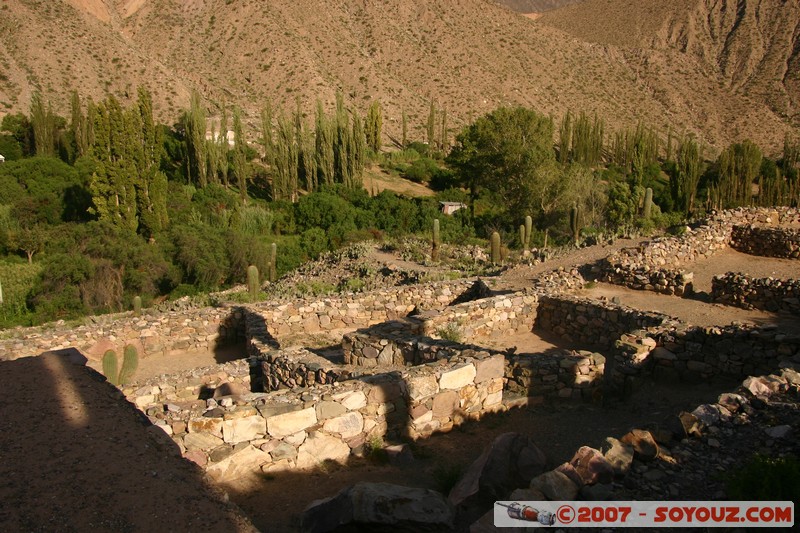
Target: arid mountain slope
535	6
467	55
752	46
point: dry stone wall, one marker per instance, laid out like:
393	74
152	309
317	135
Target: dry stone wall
229	434
354	311
659	265
151	333
769	294
766	241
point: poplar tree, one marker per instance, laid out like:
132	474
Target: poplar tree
113	184
195	126
78	126
43	122
342	144
151	185
685	174
443	141
431	125
404	139
222	146
374	126
240	164
357	154
565	138
324	129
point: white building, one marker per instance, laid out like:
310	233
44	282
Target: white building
2	159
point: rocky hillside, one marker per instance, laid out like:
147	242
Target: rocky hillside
469	56
751	46
535	6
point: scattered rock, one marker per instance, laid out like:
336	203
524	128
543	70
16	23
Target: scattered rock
643	443
375	504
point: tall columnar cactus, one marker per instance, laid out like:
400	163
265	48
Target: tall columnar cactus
435	242
495	248
252	281
110	367
575	224
528	230
130	362
522	236
546	235
137	305
648	202
273	257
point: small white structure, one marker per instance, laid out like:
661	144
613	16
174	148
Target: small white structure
448	208
2	159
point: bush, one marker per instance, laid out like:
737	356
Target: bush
422	170
766	479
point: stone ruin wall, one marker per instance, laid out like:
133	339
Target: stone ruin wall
153	334
768	294
658	265
303	427
766	242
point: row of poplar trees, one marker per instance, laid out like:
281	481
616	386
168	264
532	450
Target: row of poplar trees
298	155
125	149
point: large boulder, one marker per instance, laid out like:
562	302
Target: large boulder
509	463
379	507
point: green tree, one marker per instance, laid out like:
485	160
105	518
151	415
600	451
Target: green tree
43	122
194	123
151	182
324	147
502	152
241	166
113	184
685	175
374	126
431	129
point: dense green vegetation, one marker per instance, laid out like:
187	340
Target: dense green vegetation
108	205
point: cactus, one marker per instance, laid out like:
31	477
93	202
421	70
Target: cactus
273	256
522	236
435	242
648	202
252	281
110	367
495	248
575	225
130	362
546	235
137	305
528	230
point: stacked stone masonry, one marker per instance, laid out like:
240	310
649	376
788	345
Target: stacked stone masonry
769	294
766	241
153	334
659	265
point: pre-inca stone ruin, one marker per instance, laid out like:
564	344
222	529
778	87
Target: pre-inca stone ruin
293	408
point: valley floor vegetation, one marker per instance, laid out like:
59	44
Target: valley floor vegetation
107	205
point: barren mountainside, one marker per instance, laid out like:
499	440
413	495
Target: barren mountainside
535	6
664	63
753	46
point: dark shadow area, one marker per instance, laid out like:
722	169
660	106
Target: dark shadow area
332	353
231	341
78	457
275	501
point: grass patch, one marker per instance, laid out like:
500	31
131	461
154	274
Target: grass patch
765	478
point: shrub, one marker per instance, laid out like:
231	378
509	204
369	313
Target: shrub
766	479
450	332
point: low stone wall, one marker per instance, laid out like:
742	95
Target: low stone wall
766	241
591	322
300	317
231	434
505	314
690	352
769	294
153	333
659	265
566	375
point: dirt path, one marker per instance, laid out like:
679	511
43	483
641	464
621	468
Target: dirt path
729	260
